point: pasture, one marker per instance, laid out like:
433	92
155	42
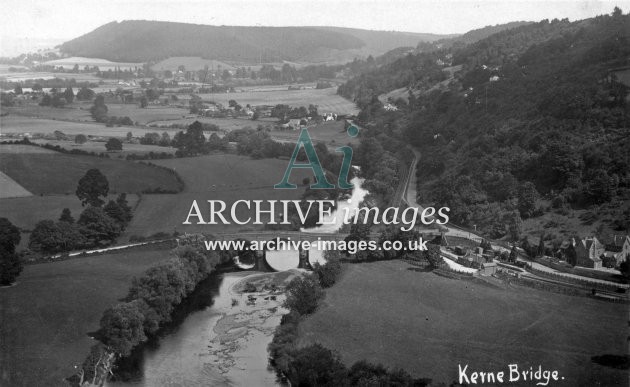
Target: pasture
386	312
326	100
48	315
58	173
216	177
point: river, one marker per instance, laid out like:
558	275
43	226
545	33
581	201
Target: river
219	335
223	344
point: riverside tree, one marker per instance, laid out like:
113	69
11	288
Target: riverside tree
303	294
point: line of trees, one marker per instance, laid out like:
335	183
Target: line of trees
148	305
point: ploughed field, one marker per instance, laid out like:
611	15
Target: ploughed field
223	177
386	312
48	316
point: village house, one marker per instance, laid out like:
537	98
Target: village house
618	249
586	252
488	268
475	259
390	108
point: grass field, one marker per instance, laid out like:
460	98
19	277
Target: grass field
47	316
332	133
327	100
216	177
386	312
57	173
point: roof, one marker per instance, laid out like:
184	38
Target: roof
616	242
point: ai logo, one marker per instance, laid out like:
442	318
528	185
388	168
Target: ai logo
313	163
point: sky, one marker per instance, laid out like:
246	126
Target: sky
45	22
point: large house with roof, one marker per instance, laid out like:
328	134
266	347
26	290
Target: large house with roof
618	248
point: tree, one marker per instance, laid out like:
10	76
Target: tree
45	237
328	272
303	294
315	365
513	254
121	200
18	89
91	187
69	95
113	144
98	227
527	197
144	102
515	226
433	256
51	237
80	139
541	246
10	263
129	136
85	94
46	100
99	109
165	140
66	216
114	211
122	327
